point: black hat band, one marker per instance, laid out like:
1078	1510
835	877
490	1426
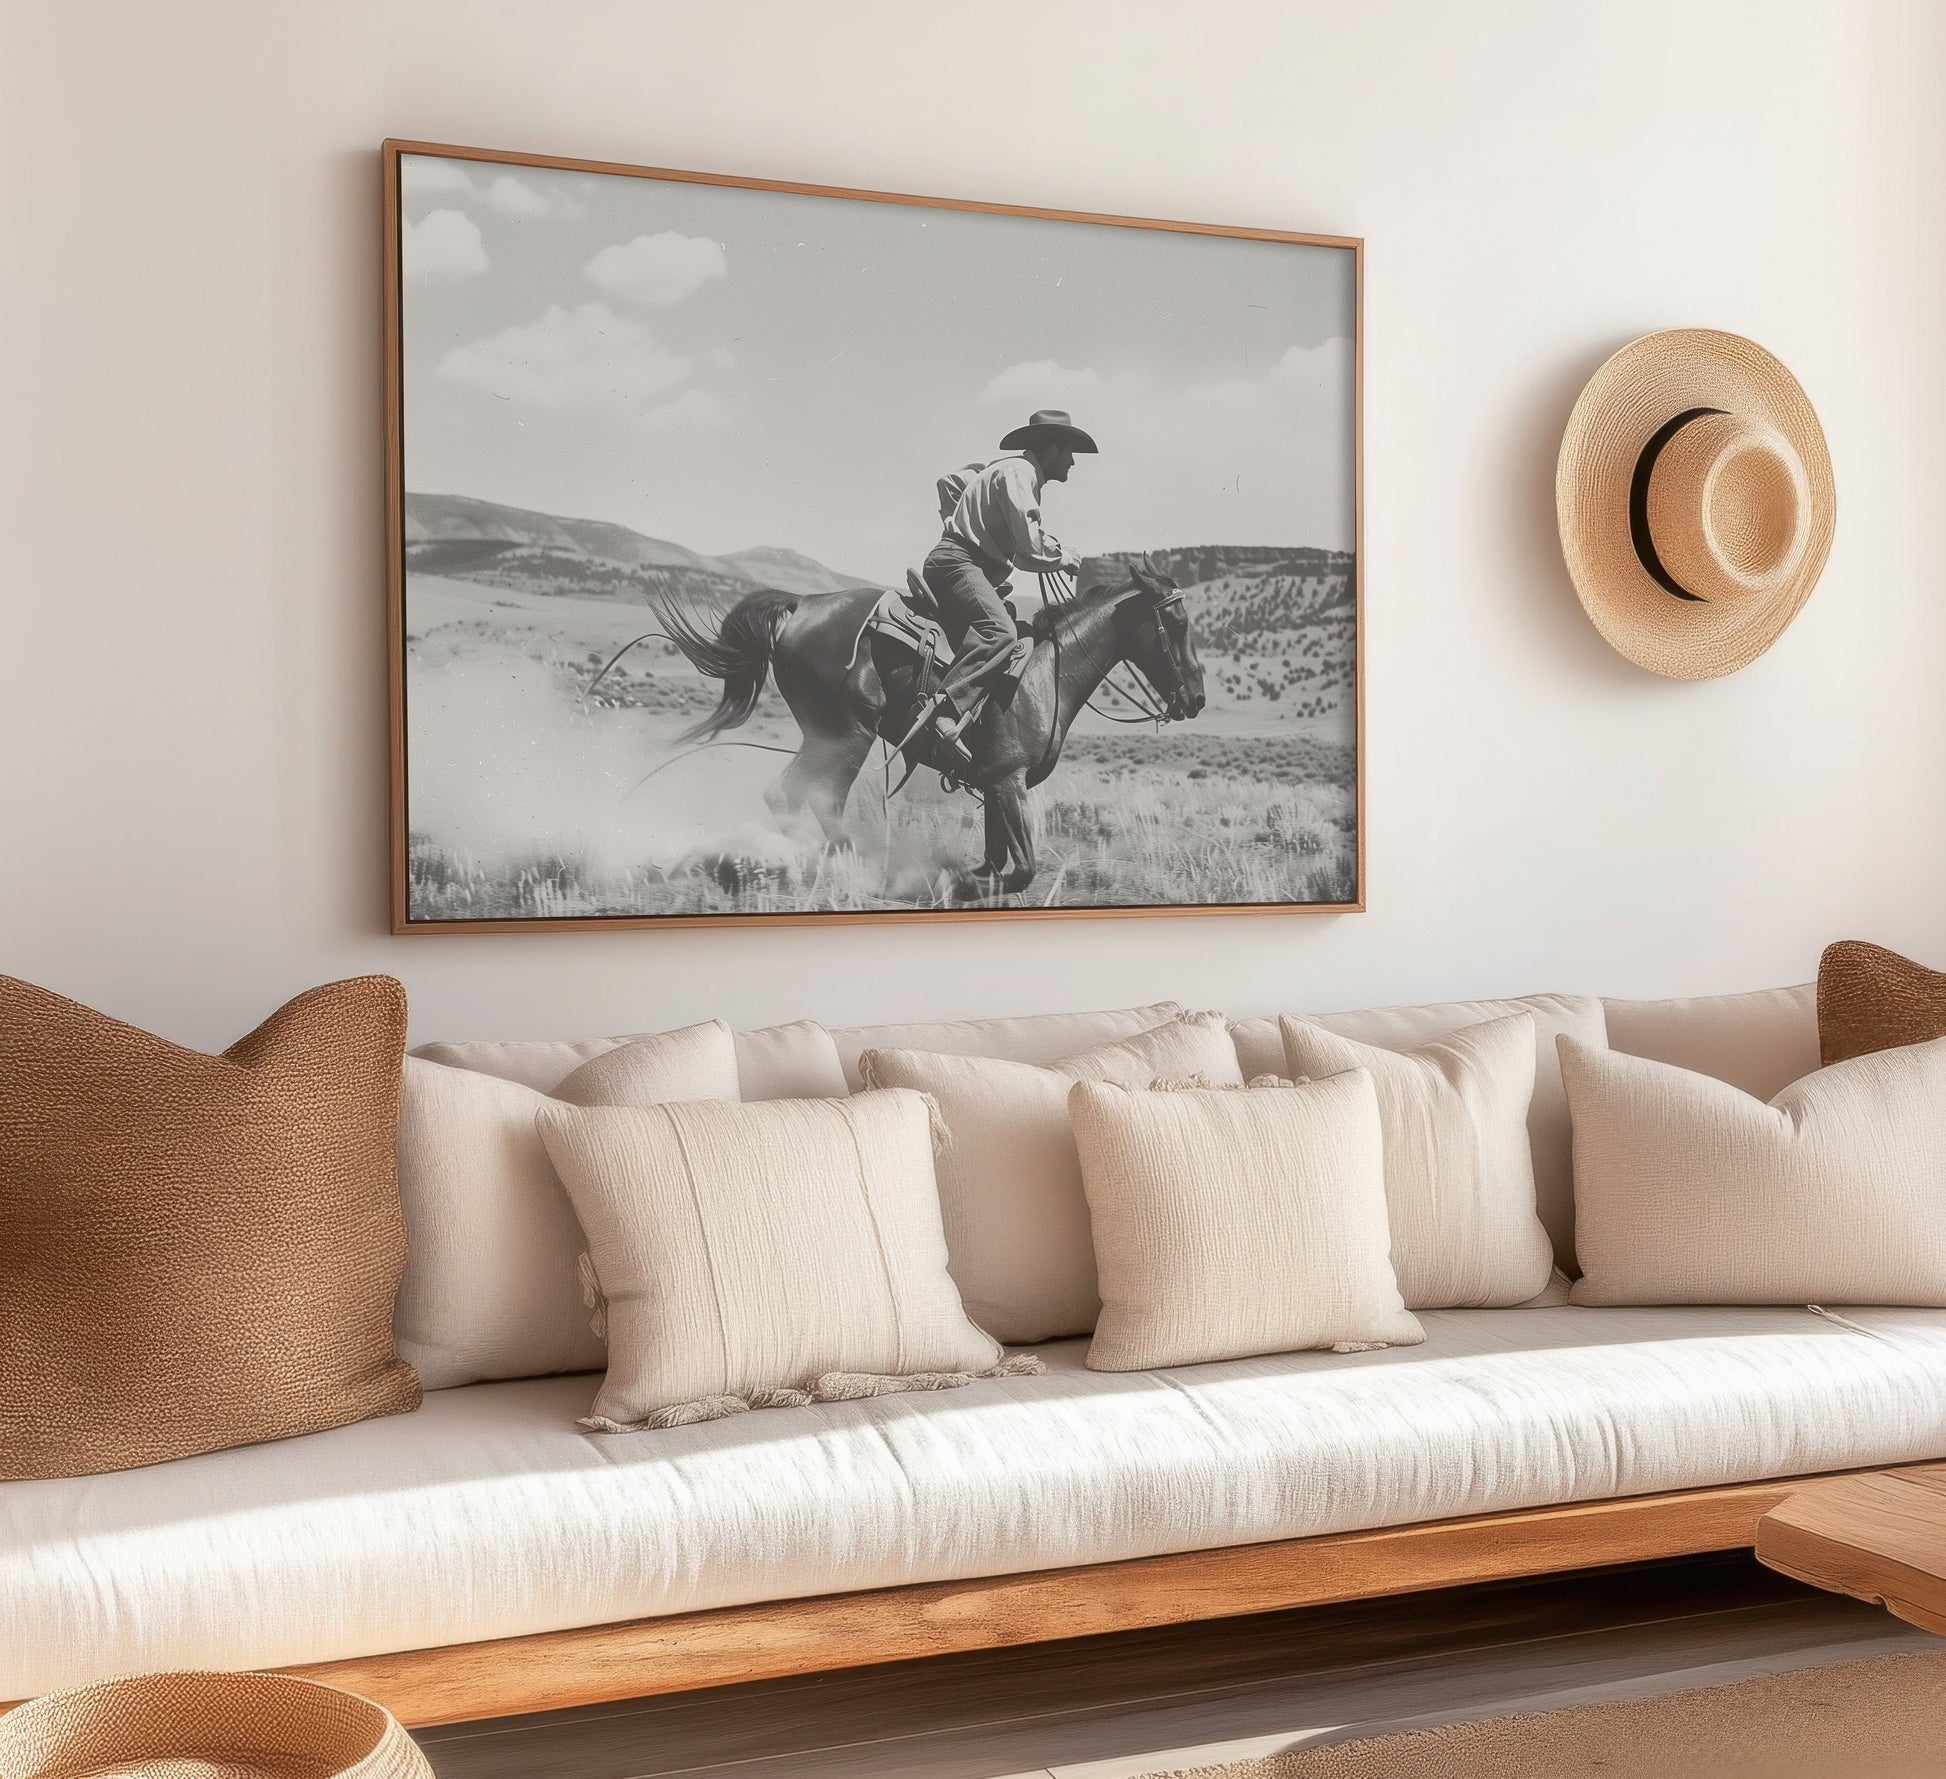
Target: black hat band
1638	502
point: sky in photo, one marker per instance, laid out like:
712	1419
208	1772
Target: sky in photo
723	367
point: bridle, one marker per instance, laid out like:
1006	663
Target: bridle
1174	707
1147	699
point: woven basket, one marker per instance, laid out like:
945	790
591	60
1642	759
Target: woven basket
206	1726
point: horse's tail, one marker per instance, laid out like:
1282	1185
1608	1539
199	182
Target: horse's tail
737	652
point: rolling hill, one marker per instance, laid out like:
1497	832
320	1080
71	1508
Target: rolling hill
769	565
460	538
447	518
1276	628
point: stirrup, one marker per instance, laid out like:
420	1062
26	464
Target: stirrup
923	721
956	749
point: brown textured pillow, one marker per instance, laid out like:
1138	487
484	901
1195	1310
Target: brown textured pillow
196	1251
1873	999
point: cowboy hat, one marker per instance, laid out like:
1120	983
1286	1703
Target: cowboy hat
1048	423
1695	501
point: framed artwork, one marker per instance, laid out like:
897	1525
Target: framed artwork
767	552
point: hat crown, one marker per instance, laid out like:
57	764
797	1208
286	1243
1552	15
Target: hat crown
1728	507
1696	501
1048	424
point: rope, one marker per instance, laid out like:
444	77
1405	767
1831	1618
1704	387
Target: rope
764	747
588	690
1041	767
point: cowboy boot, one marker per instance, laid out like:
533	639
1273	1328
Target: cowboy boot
931	725
949	731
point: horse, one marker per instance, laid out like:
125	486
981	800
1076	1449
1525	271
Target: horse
849	687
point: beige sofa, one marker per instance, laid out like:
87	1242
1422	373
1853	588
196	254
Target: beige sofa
483	1555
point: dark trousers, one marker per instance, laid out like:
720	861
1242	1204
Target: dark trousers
978	624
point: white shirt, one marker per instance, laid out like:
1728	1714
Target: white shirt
999	516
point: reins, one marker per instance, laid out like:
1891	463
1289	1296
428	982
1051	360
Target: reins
1058	591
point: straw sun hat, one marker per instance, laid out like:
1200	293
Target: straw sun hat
1695	500
207	1726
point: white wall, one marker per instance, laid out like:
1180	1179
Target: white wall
191	569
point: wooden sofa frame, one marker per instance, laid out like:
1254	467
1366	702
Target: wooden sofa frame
687	1651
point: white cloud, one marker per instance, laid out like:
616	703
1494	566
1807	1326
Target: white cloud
692	408
515	197
1316	372
427	176
657	269
589	357
445	244
1234	392
1042	383
722	358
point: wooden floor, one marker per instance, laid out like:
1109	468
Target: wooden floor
1149	1701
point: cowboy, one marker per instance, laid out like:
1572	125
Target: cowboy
993	525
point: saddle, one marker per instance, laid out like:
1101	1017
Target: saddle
919	596
912	623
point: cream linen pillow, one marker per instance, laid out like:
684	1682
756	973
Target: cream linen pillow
1688	1190
1459	1173
774	1062
1039	1038
755	1255
1260	1045
491	1286
1009	1179
1239	1221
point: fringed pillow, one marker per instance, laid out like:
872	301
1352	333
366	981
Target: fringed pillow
754	1256
491	1288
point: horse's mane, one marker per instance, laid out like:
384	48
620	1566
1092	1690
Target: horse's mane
1103	593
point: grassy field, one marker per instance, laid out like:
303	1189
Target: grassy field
1115	828
568	809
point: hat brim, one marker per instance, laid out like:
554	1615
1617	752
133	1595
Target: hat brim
1073	437
1642	386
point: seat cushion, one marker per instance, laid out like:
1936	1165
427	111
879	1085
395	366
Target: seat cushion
486	1514
1260	1050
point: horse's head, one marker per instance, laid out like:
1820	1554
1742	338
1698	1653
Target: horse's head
1158	641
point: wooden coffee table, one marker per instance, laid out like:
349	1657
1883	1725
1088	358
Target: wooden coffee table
1880	1538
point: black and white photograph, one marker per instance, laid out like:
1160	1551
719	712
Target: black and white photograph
775	552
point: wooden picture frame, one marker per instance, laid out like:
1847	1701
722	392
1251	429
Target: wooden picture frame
430	894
